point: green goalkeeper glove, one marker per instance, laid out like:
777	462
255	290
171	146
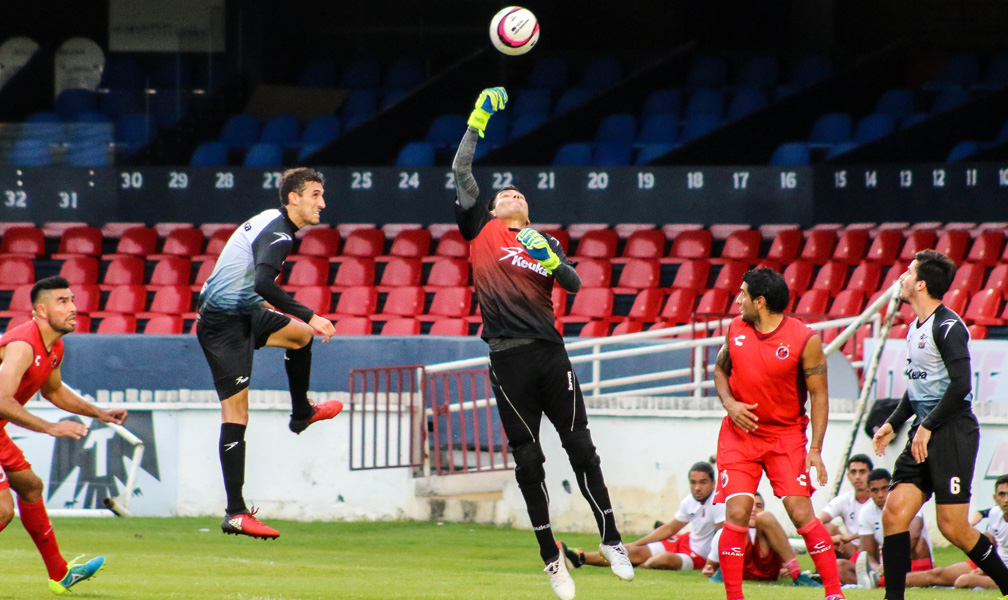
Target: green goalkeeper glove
539	249
490	101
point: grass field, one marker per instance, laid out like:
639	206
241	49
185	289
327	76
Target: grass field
190	558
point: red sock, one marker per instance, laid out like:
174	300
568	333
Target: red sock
820	548
792	568
36	522
732	550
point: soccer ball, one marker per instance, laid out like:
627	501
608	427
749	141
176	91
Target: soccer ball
514	30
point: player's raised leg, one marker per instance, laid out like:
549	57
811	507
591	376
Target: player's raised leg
297	337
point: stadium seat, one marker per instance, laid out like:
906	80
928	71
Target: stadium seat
813	302
969	277
978	332
594	329
30	153
401	326
665	102
659	129
184	241
690	244
87	297
698	126
282	130
848	303
573	155
446	130
617	128
638	274
125	299
714	303
309	271
411	243
648	303
590	303
20	302
322	242
998	279
692	275
316	297
627	327
678	308
453	302
831	277
202	274
171	270
984	308
449	327
916	241
599	243
448	272
729	278
406	301
612	154
354	271
24	241
594	272
117	324
851	246
818	246
873	127
320	130
416	154
558	297
452	245
353	326
986	248
830	129
561	235
647	243
164	325
885	246
135	241
785	247
956	300
400	272
209	154
80	269
791	154
892	274
364	242
953	244
80	240
264	154
125	270
949	99
743	245
169	300
240	131
83	324
798	276
865	277
897	103
357	301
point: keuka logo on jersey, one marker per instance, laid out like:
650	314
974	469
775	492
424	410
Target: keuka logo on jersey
514	253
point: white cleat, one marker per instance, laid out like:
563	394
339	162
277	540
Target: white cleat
867	577
619	562
560	579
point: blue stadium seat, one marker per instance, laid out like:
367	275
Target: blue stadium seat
573	155
122	73
898	102
416	154
612	154
320	73
745	102
962	151
306	151
663	102
708	72
210	154
446	130
89	154
658	129
602	73
759	72
282	130
362	74
838	149
949	99
620	128
170	74
240	131
43	131
404	74
529	102
874	126
791	154
705	102
548	73
360	103
72	102
43	117
525	124
572	97
829	129
98	130
118	102
134	131
92	117
351	121
264	154
698	126
30	153
321	130
649	152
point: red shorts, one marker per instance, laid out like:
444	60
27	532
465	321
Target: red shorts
11	458
759	567
917	564
742	458
679	544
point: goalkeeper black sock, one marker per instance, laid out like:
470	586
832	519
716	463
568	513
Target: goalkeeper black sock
985	557
232	459
896	558
298	365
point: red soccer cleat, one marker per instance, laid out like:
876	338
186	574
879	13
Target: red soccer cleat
323	411
247	524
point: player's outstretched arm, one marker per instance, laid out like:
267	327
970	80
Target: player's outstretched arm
489	101
663	532
64	397
18	357
813	365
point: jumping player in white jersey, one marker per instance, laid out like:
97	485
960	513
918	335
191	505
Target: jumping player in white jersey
940	455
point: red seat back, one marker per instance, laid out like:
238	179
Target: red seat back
320	241
80	269
81	240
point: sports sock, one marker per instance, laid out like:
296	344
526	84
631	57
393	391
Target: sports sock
820	549
232	459
594	489
537	504
792	568
986	558
732	549
36	522
896	558
298	366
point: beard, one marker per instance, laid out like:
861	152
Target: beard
65	327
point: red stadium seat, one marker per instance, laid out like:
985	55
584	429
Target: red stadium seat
595	329
358	301
599	243
164	325
353	326
917	240
785	246
83	324
968	277
577	230
451	302
407	301
452	245
320	241
628	327
169	300
692	275
80	269
742	246
16	270
400	272
367	243
984	308
113	230
625	230
210	229
449	327
309	271
953	243
977	332
986	248
638	274
831	277
316	297
401	326
648	243
18	319
798	276
729	278
848	303
714	303
448	272
865	277
885	246
184	241
590	303
411	243
998	279
171	270
117	324
956	300
23	240
813	302
218	239
560	235
648	304
87	297
20	301
559	298
136	241
894	273
851	246
128	299
671	230
678	308
818	246
163	229
898	331
690	244
722	231
79	241
353	271
202	274
594	272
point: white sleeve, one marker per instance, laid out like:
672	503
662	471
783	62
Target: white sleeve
866	522
683	514
834	508
714	554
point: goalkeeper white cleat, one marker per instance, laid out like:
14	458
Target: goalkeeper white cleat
560	579
619	562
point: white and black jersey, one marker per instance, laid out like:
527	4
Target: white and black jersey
931	346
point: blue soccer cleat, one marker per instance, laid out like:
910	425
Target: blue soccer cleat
76	573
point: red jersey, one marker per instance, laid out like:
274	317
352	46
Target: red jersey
766	370
41	368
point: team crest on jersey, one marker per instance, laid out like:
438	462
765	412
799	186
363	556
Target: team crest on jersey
724	479
55	360
783	352
920	343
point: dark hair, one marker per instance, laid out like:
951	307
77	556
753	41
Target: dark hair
877	474
56	282
936	271
1000	481
493	201
771	285
703	467
861	458
294	180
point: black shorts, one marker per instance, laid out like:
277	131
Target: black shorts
947	472
228	342
530	381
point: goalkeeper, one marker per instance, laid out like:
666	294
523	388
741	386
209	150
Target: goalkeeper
514	268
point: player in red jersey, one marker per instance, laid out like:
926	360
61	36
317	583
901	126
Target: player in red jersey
30	358
768	366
